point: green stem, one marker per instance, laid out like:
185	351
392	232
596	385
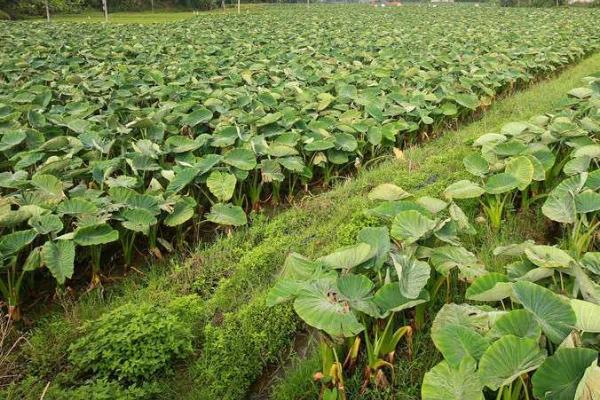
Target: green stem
525	199
525	389
499	395
420	316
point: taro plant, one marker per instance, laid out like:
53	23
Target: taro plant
336	295
533	350
380	350
140	144
527	160
575	203
358	293
427	230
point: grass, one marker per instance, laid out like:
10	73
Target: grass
233	274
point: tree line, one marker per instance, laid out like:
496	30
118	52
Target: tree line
21	8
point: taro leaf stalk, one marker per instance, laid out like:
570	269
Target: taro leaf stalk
10	246
182	211
380	351
499	192
127	239
331	375
93	237
255	187
575	202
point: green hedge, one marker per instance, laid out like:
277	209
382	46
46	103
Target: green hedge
134	342
237	349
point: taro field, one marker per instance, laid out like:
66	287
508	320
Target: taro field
127	143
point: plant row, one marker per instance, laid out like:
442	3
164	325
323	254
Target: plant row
540	336
121	137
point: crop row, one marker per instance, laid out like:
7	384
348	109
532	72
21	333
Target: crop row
121	136
540	336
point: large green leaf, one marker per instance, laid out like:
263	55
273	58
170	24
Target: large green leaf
12	139
476	165
33	260
59	257
432	204
548	256
587	315
577	165
269	119
520	323
48	184
182	178
522	169
510	148
95	235
227	214
298	272
464	315
456	342
508	358
443	382
558	377
270	171
182	212
581	92
196	117
591	262
555	315
240	158
221	185
587	201
463	190
379	240
589	289
589	385
458	215
467	100
319	307
76	206
413	275
389	209
489	287
46	224
388	191
410	226
389	299
356	289
138	220
181	144
445	258
348	257
16	241
501	183
560	204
